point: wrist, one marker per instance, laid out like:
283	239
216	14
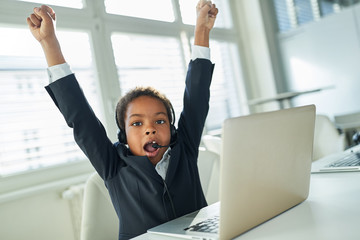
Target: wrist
52	50
202	37
49	42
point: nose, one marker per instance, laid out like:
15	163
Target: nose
150	130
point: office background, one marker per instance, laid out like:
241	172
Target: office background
261	48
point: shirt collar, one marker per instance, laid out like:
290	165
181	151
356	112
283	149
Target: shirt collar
162	166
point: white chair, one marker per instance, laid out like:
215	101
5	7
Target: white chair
99	219
209	167
212	143
327	139
348	121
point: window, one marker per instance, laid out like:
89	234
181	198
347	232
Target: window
224	98
291	14
283	17
188	11
33	134
327	7
144	60
304	11
157	9
63	3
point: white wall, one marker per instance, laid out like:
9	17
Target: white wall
326	54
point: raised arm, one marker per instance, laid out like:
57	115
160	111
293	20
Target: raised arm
42	26
68	96
197	84
206	15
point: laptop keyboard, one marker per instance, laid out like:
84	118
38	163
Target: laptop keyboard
210	225
351	160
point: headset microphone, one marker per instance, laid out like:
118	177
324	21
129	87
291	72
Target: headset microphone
155	145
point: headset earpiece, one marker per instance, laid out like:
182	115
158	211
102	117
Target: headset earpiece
121	136
173	134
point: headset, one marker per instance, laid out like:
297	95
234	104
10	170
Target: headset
121	134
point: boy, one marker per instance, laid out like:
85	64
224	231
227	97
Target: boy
151	173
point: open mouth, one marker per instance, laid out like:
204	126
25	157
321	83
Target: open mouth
150	150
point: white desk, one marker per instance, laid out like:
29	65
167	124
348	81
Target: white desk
284	98
332	211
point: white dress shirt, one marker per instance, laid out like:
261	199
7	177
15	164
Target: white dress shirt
62	70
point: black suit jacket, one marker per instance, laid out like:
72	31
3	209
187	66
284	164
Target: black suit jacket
138	193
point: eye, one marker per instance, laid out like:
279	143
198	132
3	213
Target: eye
160	122
136	124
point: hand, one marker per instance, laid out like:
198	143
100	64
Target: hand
42	23
42	26
206	14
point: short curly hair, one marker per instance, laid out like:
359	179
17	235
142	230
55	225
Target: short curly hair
123	103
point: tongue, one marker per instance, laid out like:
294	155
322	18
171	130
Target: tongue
149	148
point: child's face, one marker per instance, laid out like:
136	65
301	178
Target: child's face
146	122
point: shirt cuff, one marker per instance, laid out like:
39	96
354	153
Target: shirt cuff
200	52
58	71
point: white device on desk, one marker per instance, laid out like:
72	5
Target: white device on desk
349	160
265	170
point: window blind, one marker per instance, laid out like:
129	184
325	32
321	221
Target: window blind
291	14
304	11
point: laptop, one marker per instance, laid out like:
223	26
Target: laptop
346	161
265	170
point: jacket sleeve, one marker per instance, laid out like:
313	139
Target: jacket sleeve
196	103
88	131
